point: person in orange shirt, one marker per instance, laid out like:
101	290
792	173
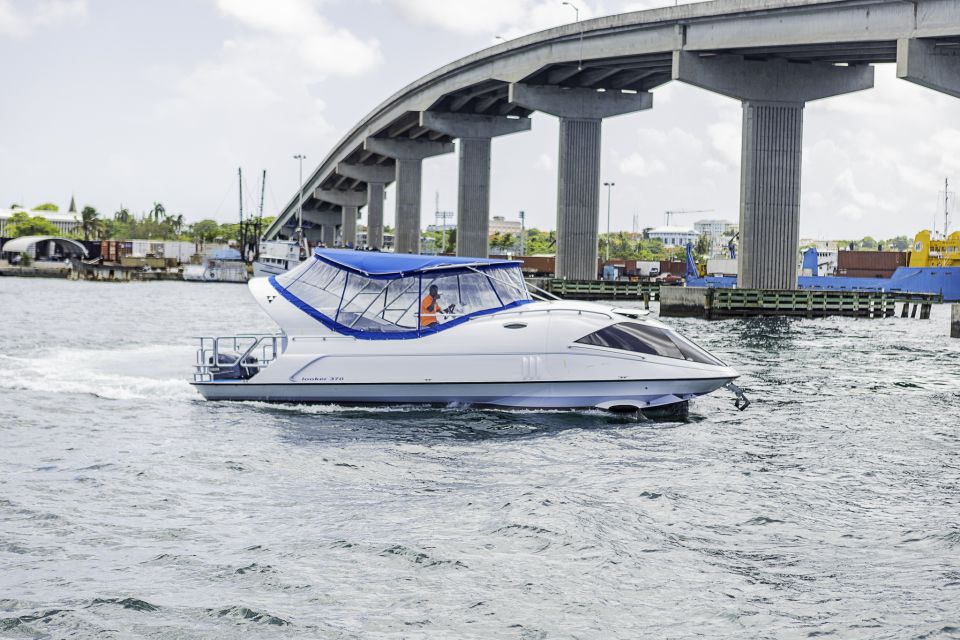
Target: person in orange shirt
430	307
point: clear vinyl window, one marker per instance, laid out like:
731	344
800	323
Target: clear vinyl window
641	338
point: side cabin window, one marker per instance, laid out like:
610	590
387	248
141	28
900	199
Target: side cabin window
364	306
641	338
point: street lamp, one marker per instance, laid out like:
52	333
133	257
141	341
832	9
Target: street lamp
609	186
300	157
577	13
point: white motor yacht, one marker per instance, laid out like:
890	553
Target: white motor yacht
275	257
222	265
359	327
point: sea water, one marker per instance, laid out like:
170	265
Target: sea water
130	507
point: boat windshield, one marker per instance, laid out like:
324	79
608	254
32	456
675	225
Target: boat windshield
399	306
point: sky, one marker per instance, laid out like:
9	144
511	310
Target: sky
131	102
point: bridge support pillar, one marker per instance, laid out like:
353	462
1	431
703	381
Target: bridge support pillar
922	62
475	133
350	203
409	155
581	113
328	234
375	215
773	94
376	177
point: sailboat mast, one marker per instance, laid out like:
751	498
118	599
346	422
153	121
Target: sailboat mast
263	187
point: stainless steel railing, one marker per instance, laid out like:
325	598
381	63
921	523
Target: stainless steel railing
244	353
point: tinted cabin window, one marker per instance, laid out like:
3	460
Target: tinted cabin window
639	338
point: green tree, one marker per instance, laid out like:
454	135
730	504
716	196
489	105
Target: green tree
899	243
90	223
22	224
868	243
205	230
158	211
122	215
702	247
47	206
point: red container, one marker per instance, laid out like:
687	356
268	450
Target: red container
870	260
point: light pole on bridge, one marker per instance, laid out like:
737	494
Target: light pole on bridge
300	157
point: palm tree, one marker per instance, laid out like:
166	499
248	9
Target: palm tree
123	215
89	222
178	223
158	211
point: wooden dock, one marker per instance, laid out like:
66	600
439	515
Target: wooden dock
715	304
600	289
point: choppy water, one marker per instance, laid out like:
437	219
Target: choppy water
131	508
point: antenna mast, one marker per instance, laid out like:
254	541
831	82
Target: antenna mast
946	207
263	187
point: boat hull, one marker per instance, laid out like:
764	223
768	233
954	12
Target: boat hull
606	394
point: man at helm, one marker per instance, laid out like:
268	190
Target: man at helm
430	307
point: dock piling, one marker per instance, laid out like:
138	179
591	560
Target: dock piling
955	321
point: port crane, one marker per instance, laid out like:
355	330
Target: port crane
667	214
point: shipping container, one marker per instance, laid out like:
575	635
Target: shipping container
676	267
722	267
883	260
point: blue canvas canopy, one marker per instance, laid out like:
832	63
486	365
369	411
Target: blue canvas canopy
381	296
374	264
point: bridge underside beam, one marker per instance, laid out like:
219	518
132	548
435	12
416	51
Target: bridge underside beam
581	112
773	94
924	63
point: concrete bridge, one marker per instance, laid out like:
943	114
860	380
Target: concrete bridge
772	55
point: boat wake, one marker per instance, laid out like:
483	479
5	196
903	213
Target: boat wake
117	374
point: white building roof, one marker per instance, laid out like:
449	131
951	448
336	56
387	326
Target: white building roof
676	230
52	216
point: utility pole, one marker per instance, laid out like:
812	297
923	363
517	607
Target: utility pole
300	157
523	249
609	186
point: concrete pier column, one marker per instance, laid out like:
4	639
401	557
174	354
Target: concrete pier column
955	321
475	133
376	176
578	198
773	94
328	234
581	112
409	155
375	215
473	198
349	202
770	194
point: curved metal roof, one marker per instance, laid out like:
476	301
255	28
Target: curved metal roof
23	243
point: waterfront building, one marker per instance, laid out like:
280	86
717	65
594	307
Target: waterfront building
499	224
673	236
66	223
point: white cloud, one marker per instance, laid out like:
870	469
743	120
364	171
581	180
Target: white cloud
298	31
21	19
725	139
544	162
507	18
636	164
